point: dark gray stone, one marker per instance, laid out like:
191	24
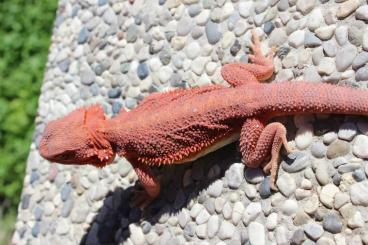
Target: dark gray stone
264	188
114	93
36	229
142	70
83	35
25	201
359	175
116	106
35	175
268	27
235	48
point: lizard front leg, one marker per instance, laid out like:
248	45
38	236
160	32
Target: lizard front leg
237	74
150	184
258	140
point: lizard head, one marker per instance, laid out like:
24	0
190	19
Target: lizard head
78	138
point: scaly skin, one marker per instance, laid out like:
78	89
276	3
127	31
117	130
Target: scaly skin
182	125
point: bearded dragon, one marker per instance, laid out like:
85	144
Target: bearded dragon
182	125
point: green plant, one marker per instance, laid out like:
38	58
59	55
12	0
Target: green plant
25	32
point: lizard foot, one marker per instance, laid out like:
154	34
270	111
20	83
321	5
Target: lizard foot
257	57
271	168
140	199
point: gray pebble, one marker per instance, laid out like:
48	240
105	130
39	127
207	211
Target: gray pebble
209	204
64	65
142	70
330	48
347	131
212	32
165	56
348	168
264	188
362	74
35	176
184	26
336	179
87	76
83	35
311	41
235	175
338	148
38	212
286	184
268	27
322	173
67	208
313	230
36	229
116	106
296	162
305	6
197	32
146	227
318	149
131	33
65	192
355	33
254	175
114	93
194	9
359	175
359	193
215	189
341	34
277	37
362	13
130	103
345	57
332	223
360	60
298	237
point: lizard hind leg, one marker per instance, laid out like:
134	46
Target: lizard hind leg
258	141
142	198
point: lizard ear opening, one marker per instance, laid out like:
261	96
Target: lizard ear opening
95	121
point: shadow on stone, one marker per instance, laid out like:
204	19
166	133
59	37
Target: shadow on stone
111	224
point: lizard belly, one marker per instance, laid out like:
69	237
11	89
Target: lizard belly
219	144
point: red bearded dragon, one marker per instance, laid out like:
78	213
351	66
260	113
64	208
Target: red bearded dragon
182	125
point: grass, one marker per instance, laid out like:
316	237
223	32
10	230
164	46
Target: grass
25	32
